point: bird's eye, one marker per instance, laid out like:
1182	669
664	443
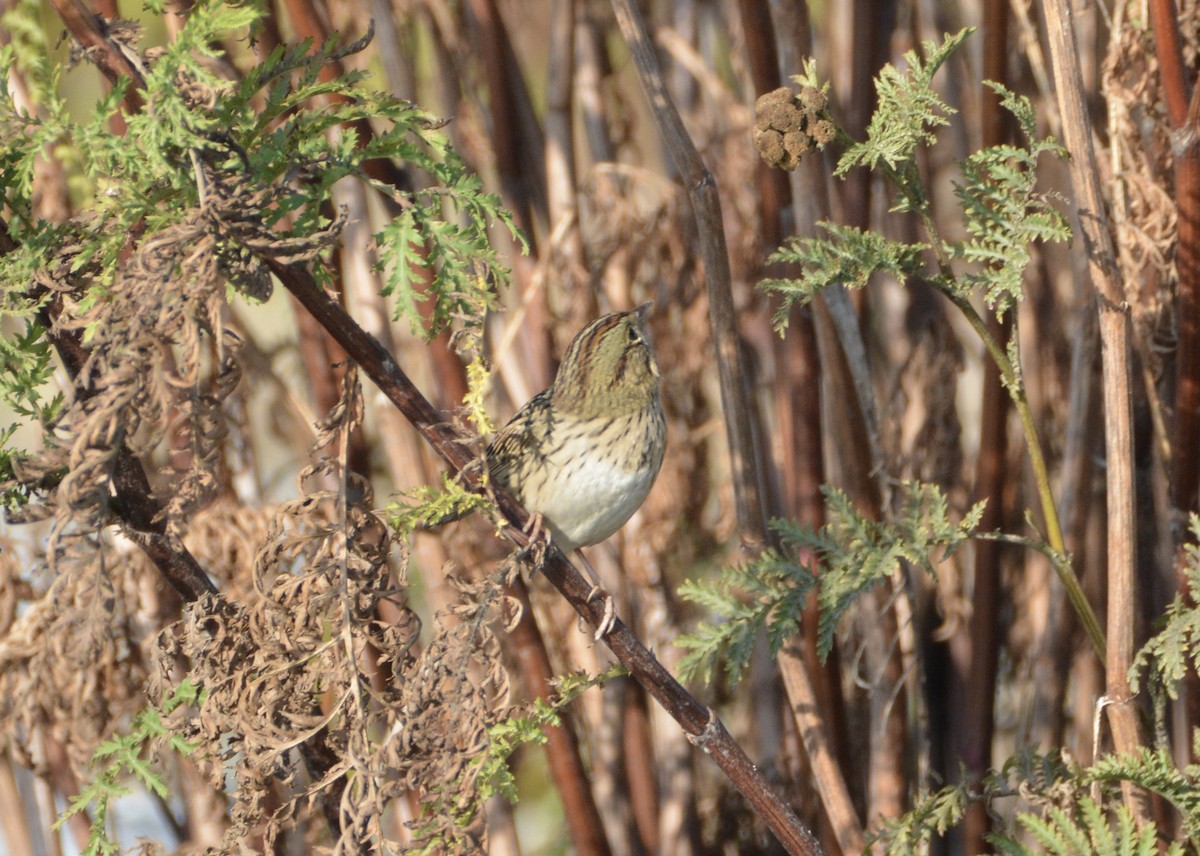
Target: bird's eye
634	336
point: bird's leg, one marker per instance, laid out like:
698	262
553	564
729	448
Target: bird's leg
539	537
538	533
535	527
610	610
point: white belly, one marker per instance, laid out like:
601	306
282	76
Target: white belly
591	499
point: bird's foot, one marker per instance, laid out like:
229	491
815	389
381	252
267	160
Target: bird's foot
535	528
538	533
610	612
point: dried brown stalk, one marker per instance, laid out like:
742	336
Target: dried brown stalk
813	692
1115	333
706	206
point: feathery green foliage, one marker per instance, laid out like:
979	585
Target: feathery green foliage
1155	771
506	737
261	135
426	505
491	770
1086	829
932	815
845	255
1167	656
26	366
1068	815
122	756
909	112
767	594
1003	213
853	553
936	812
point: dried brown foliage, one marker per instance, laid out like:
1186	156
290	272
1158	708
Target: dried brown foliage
305	661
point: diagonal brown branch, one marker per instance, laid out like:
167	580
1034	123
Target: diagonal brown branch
700	722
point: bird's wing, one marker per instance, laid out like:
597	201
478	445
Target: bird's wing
526	435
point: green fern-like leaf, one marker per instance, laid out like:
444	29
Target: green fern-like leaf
909	110
1167	656
933	814
122	756
846	256
427	506
1003	214
767	594
507	736
1083	830
855	552
1155	771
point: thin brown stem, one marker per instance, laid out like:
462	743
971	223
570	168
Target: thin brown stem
562	749
706	207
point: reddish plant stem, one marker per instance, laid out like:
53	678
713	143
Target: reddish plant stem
887	778
814	692
517	146
774	192
1185	448
975	732
562	749
640	766
505	133
1185	445
91	31
870	31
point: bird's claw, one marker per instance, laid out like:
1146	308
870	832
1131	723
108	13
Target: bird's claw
535	527
538	533
610	612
